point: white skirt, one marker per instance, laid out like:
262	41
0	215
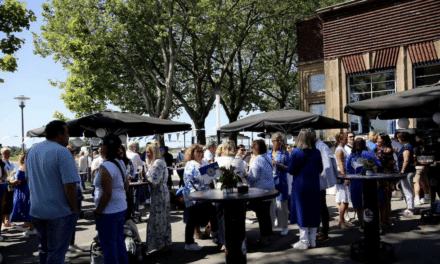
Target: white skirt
343	193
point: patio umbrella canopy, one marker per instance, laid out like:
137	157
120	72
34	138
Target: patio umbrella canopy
423	101
118	123
289	120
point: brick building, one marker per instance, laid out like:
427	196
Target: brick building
363	49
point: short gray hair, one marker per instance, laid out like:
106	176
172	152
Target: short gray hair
131	144
210	144
4	150
277	135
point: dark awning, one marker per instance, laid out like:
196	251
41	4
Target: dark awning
283	120
119	123
423	101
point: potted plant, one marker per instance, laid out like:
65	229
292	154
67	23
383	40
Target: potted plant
370	167
229	179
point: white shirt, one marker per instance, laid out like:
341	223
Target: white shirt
348	148
89	159
97	162
8	167
118	201
328	176
135	159
82	164
237	163
208	156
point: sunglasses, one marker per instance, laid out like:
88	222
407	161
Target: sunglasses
242	150
351	137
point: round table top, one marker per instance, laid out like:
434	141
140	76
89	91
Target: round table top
217	196
135	184
375	176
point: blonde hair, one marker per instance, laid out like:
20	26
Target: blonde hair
276	136
226	149
154	149
22	159
372	136
305	139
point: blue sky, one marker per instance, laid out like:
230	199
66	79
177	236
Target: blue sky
31	80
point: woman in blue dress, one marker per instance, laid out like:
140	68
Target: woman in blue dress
22	204
354	165
305	165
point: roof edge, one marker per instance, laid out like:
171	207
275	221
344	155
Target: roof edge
341	6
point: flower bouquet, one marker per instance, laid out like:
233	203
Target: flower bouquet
229	179
369	167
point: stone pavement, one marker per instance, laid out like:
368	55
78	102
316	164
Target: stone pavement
414	241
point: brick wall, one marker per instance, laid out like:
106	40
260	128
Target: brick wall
310	43
376	25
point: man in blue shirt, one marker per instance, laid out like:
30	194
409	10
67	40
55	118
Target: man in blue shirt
53	181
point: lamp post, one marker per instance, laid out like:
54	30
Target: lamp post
22	104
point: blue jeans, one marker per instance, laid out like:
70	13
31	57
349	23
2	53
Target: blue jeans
83	177
54	237
137	196
111	236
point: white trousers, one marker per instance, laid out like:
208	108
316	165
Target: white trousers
407	190
305	236
281	213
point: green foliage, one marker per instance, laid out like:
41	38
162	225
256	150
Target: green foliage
228	179
60	116
13	18
369	165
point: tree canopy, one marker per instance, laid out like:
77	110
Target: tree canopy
13	18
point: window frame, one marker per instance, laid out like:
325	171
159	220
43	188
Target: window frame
423	66
349	93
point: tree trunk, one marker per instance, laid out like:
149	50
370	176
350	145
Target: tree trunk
200	132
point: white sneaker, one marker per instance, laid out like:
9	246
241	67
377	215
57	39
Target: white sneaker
75	248
417	201
285	231
275	223
193	247
300	245
408	213
1	239
347	218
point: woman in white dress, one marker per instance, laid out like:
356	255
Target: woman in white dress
159	224
342	188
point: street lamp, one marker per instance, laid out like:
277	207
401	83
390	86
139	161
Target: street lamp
22	100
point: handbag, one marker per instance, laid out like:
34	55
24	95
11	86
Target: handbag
303	163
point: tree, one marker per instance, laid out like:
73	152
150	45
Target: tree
60	116
209	51
14	17
119	52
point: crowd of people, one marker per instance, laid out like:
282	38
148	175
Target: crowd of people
46	192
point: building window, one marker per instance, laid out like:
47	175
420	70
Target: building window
366	87
317	83
426	75
318	109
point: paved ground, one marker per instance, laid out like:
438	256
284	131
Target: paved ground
414	241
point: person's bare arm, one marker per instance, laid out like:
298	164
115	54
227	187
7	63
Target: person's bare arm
340	161
71	191
406	156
